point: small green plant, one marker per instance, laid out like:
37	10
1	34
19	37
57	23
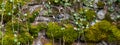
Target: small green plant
87	13
88	3
61	2
31	17
66	33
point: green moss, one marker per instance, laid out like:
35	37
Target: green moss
91	44
69	34
0	34
116	32
9	40
31	17
35	29
90	15
118	26
100	4
108	18
16	25
103	30
66	33
49	43
54	30
21	30
25	38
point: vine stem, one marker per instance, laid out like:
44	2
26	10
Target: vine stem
18	29
2	20
27	28
12	16
63	41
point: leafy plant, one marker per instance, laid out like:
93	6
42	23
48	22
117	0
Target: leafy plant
87	13
88	3
61	2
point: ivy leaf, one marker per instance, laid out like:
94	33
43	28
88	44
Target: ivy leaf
66	0
67	4
56	1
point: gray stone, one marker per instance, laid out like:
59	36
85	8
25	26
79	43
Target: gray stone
59	17
43	12
95	4
33	8
101	14
42	19
113	16
37	41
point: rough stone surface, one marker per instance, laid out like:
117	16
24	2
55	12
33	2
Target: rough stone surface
101	14
42	19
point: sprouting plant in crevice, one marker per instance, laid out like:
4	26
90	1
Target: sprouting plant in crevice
30	17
